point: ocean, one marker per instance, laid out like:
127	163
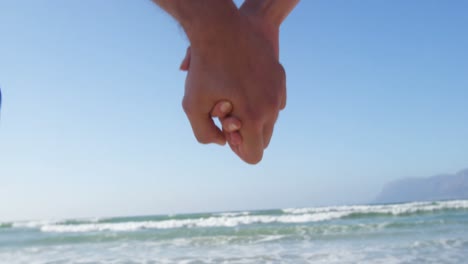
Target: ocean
419	232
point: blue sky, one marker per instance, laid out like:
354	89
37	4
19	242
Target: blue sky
92	125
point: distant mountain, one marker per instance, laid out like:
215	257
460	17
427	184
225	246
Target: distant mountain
439	187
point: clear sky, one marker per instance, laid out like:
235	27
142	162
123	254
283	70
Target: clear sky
92	124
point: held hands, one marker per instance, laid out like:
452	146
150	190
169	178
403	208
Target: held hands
222	110
237	78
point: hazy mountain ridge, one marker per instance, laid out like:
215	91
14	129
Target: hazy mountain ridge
439	187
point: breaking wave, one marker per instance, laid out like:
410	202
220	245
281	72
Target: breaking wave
234	219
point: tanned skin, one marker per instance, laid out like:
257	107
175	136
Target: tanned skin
233	70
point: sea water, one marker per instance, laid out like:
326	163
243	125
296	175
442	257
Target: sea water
419	232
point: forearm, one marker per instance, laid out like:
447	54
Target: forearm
201	19
273	11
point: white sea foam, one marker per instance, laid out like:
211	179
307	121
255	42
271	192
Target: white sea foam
270	238
232	219
215	221
34	224
260	251
41	223
394	209
234	213
368	241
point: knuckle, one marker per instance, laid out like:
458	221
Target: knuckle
282	77
203	138
284	103
187	106
273	101
282	73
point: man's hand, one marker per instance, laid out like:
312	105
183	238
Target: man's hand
234	73
222	110
241	67
269	30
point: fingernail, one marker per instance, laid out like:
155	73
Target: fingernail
233	127
225	107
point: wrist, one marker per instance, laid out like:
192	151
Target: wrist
201	19
264	27
204	21
263	10
273	12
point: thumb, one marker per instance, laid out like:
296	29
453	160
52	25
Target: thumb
203	126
